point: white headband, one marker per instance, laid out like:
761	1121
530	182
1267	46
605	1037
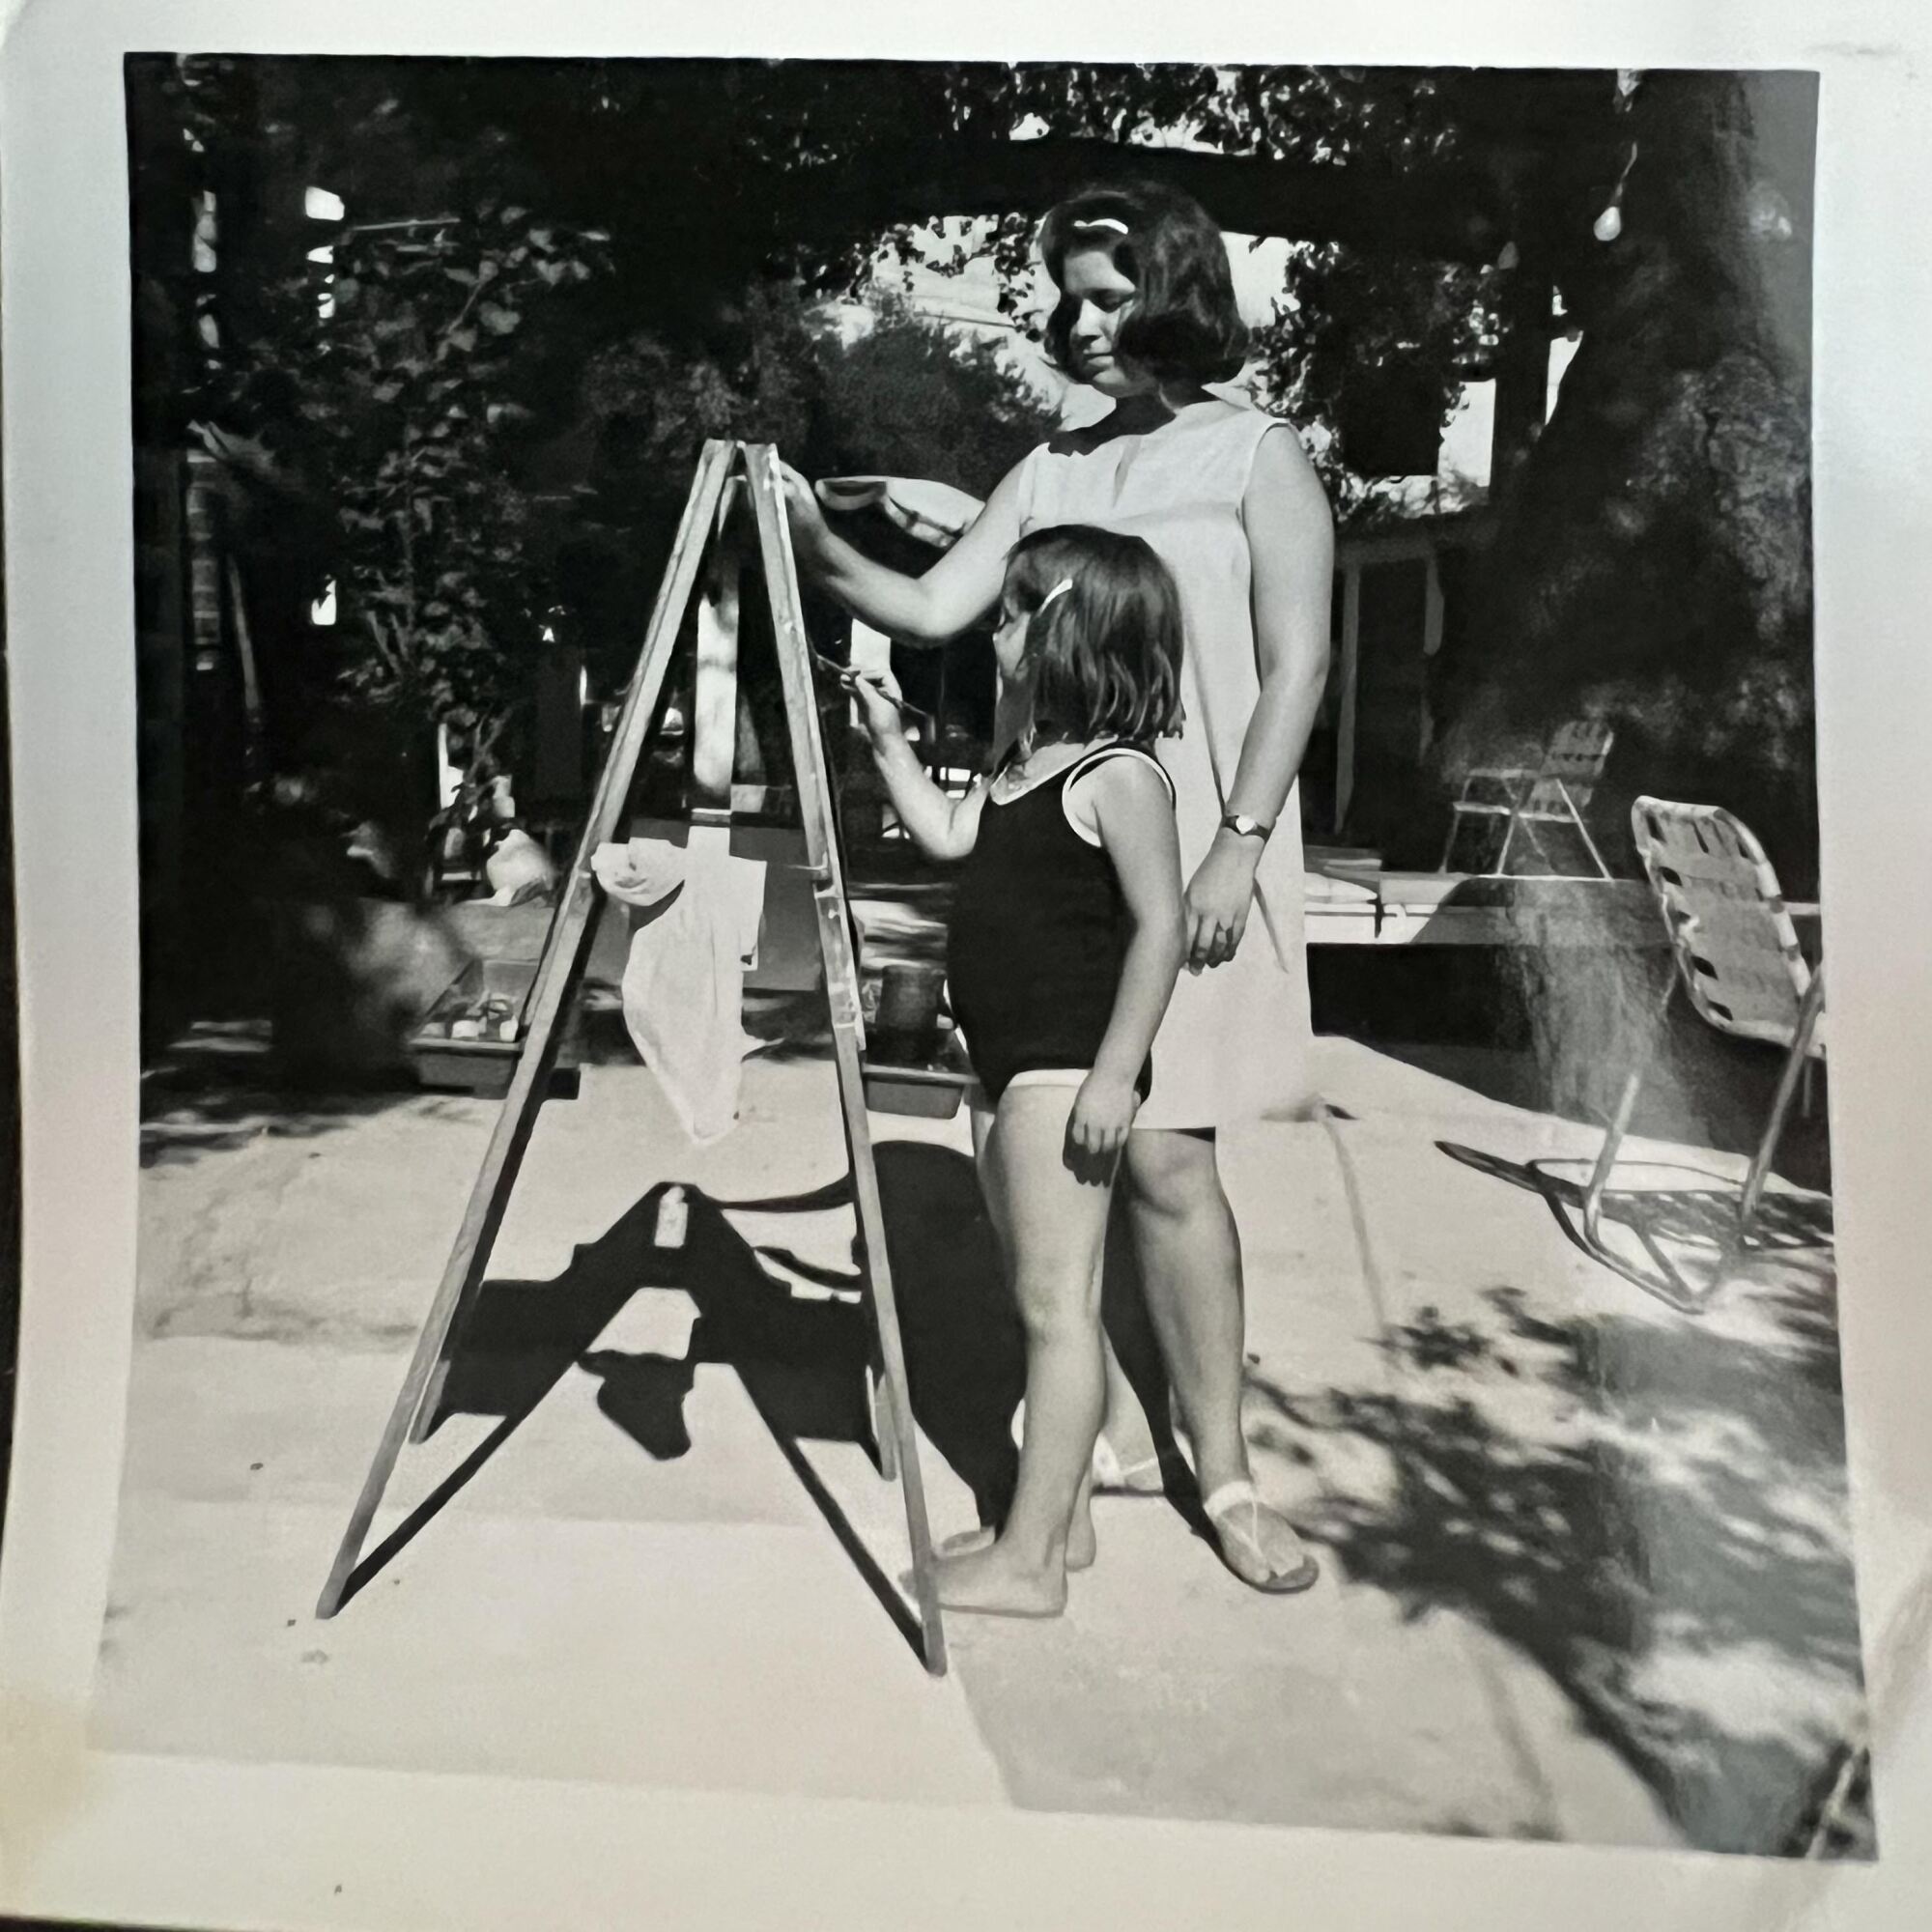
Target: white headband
1103	222
1064	583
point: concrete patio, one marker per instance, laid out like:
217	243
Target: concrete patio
1587	1570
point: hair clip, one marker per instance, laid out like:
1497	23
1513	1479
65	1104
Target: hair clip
1064	583
1102	221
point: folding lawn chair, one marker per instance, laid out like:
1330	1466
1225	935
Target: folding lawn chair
1555	791
1735	954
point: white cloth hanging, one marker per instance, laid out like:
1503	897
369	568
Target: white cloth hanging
684	982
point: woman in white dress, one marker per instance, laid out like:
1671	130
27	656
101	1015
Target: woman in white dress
1227	497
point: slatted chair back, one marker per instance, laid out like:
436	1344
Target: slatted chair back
1735	944
1573	762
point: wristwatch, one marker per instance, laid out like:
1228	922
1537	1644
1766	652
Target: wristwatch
1244	827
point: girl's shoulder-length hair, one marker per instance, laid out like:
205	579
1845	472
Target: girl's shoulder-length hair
1104	634
1184	325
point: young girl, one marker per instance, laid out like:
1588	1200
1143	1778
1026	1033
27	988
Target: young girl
1066	935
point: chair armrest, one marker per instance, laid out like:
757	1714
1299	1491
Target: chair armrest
1512	781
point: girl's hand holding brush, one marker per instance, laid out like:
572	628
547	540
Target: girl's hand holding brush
874	689
882	708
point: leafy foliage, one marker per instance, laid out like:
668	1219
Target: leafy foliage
1373	355
390	389
1654	541
895	394
404	400
652	402
909	398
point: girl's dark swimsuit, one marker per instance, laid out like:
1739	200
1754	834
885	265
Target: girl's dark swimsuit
1039	935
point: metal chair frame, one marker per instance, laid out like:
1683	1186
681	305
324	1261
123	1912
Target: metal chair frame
1552	792
1720	914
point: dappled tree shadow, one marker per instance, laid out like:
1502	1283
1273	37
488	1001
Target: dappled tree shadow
1653	1510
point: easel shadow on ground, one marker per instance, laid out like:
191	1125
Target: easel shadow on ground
801	1360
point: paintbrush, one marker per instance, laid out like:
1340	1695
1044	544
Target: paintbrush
847	674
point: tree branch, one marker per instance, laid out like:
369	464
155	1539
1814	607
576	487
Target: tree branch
1453	214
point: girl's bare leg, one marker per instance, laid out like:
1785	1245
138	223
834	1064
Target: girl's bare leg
1052	1223
1081	1546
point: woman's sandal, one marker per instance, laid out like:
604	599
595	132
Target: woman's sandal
1147	1476
1236	1513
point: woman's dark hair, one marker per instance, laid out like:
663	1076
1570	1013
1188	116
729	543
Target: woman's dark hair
1104	652
1184	324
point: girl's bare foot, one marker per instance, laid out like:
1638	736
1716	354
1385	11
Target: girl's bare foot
1081	1545
995	1583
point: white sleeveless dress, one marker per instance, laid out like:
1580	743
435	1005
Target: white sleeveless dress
1235	1043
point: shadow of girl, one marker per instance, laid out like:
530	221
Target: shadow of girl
965	1355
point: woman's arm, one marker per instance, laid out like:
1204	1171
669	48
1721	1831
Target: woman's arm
959	589
943	827
1291	548
1133	812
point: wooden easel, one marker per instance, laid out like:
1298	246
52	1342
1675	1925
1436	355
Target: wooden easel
706	541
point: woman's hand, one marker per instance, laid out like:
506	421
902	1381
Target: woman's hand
1103	1112
1219	899
810	533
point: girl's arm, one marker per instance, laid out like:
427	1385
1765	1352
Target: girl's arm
943	827
1292	545
959	589
1133	812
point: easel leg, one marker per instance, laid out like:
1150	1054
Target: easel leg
429	1408
430	1404
559	972
879	1405
488	1200
892	1410
892	1404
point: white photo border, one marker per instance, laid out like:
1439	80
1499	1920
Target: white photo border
149	1840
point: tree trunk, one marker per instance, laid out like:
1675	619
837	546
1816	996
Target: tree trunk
1652	554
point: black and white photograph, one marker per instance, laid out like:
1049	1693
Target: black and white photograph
1305	590
982	944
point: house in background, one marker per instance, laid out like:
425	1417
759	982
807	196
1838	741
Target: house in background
1401	627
